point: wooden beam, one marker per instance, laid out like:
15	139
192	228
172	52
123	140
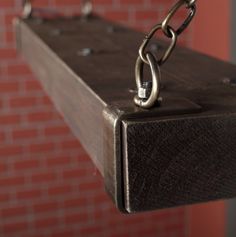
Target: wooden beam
179	153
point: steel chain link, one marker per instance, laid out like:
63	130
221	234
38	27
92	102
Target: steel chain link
147	99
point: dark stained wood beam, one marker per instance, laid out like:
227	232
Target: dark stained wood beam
180	153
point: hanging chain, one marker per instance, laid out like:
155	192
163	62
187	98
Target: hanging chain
148	92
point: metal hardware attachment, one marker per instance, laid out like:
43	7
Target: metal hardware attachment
143	99
85	52
190	2
145	91
27	9
177	6
156	77
149	37
86	9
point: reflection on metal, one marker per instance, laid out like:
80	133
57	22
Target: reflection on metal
155	90
86	9
27	9
169	32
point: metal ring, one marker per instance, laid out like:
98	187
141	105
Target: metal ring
176	7
191	2
148	38
27	9
87	8
156	77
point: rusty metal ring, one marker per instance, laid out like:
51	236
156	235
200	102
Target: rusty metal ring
148	38
175	8
156	78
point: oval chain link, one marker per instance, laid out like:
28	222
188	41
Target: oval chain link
170	15
149	37
148	58
156	77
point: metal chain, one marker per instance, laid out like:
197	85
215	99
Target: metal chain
148	92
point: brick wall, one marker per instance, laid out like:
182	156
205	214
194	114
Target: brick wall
48	185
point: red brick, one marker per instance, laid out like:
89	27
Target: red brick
43	177
40	116
57	131
63	233
146	14
10	38
26	164
131	2
40	148
17	70
9	19
100	198
91	230
117	15
26	101
41	3
9	86
47	101
33	85
70	144
75	173
9	119
12	181
76	202
4	197
59	190
67	2
10	150
30	194
7	53
2	136
89	186
15	227
46	207
58	161
13	211
46	222
3	167
76	218
1	103
7	3
25	133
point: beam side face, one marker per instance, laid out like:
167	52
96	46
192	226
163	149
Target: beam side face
80	107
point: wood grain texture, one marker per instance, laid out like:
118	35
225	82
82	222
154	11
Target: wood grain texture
179	153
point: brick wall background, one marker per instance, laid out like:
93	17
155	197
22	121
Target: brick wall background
48	185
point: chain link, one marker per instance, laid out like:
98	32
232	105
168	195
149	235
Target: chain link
169	50
148	57
171	14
